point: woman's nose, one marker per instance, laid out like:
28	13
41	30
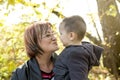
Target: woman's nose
53	37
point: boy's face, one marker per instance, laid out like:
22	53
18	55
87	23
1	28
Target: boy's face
64	37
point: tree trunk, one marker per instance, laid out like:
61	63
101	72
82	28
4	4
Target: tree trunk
110	21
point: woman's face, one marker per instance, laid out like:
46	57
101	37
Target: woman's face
49	42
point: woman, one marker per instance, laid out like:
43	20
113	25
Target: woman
40	44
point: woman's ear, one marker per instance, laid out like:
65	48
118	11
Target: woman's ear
72	36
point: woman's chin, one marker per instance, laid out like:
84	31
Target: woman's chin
57	48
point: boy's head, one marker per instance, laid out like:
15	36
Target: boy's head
72	30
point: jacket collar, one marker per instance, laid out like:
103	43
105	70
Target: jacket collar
34	71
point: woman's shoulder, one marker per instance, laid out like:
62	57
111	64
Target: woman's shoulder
20	72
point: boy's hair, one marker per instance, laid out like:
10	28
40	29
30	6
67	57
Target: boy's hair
75	24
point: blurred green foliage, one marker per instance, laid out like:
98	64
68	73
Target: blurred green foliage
12	52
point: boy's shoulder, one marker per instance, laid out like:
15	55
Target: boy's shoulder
74	50
72	47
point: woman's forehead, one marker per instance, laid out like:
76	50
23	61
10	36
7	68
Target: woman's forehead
49	30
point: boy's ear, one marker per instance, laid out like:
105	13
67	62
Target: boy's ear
72	35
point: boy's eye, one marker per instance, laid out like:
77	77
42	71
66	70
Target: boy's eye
60	33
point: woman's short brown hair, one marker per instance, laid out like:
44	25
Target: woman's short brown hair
32	36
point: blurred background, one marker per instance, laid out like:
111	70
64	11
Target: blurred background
103	28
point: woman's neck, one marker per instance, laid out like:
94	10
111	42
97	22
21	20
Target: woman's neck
45	62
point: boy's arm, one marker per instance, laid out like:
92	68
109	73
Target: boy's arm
78	65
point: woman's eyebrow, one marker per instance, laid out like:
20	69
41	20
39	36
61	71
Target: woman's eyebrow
50	32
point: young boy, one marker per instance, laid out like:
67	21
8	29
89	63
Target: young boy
78	57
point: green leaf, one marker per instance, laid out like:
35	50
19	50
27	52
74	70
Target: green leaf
11	2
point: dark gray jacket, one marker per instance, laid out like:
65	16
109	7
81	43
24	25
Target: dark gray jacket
75	62
29	71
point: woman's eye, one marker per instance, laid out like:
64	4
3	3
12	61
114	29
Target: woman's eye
48	35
